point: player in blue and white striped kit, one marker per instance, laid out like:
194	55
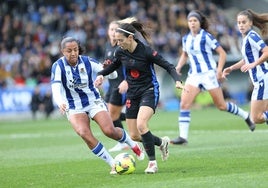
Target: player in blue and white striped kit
255	56
204	73
75	94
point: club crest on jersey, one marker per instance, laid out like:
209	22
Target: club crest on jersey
82	70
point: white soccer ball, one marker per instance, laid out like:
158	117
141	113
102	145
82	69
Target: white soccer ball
125	163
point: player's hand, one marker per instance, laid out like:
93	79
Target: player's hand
220	77
106	63
63	108
123	87
247	67
226	72
178	70
98	81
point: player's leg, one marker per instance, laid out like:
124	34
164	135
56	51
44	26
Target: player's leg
148	139
104	120
230	107
115	112
188	96
81	124
259	111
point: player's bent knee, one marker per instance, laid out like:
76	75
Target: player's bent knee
112	133
136	138
257	119
82	132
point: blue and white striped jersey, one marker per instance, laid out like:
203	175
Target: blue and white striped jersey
251	50
199	50
77	85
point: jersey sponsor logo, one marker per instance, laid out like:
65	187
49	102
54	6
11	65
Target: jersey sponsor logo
134	73
75	85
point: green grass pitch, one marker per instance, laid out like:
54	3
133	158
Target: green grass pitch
222	152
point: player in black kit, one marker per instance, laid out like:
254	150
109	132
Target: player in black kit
143	88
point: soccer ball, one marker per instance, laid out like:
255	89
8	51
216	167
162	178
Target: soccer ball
125	163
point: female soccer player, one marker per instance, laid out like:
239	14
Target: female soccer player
143	87
114	99
76	95
255	56
204	73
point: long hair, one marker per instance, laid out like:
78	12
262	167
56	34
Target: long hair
134	26
258	20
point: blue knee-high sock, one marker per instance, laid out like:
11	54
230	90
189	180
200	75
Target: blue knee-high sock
234	109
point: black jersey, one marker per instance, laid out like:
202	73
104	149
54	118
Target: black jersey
109	54
140	72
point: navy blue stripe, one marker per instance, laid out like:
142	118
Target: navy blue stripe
64	83
77	80
97	148
261	90
203	48
89	72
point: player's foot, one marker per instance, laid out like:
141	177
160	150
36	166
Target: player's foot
152	168
113	171
179	141
119	147
250	124
138	151
164	148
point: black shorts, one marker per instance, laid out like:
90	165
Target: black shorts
114	97
149	98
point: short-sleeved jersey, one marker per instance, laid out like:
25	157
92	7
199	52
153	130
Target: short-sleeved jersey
109	54
140	72
78	88
251	50
199	49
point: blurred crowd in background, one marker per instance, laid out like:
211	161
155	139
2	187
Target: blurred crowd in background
32	29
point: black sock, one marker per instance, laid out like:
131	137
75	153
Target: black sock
118	123
148	144
157	140
122	116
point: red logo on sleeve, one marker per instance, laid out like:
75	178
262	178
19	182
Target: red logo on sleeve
154	53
